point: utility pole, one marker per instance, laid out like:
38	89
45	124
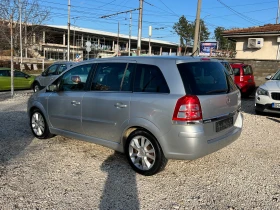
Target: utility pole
118	39
197	23
150	34
129	42
68	37
278	10
20	34
139	27
12	58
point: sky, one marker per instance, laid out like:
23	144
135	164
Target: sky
161	15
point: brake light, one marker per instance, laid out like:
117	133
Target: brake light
205	59
187	109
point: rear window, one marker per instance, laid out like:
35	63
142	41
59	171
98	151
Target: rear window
205	78
247	70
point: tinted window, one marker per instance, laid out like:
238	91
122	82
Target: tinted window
236	71
127	79
204	78
4	73
62	68
148	78
247	70
75	79
276	76
228	67
108	76
51	70
19	74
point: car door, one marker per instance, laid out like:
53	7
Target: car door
21	80
65	105
105	109
5	80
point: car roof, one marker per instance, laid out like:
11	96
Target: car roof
240	64
177	59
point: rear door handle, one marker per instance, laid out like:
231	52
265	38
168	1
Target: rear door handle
120	105
75	103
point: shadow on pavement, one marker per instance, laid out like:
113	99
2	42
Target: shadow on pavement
273	119
15	136
120	191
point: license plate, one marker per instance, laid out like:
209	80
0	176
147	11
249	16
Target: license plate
224	124
275	105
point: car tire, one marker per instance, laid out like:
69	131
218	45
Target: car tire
144	153
258	112
39	126
36	87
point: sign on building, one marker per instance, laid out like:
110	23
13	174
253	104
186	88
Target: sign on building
208	48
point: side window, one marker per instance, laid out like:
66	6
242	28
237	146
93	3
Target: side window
236	71
108	76
4	73
128	76
51	70
149	78
75	79
247	70
19	74
61	68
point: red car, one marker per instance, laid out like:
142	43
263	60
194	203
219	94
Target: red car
244	78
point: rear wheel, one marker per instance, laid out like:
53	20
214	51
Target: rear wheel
144	153
39	126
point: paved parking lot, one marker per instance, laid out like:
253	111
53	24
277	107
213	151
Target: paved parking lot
62	173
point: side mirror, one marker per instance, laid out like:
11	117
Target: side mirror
26	76
44	74
268	77
76	79
52	88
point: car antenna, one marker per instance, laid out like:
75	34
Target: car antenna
194	52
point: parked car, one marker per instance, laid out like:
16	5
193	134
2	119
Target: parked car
21	80
267	97
50	74
244	78
151	108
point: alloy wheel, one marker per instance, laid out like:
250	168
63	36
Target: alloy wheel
38	124
142	153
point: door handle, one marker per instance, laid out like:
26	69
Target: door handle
75	103
120	105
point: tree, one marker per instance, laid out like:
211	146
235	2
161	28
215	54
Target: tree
33	15
224	43
185	29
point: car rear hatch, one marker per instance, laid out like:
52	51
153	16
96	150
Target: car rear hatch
218	97
247	76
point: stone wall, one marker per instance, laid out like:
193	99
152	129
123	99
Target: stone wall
261	68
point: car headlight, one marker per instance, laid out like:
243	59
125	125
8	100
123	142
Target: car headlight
261	91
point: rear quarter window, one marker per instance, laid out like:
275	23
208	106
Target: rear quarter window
247	70
205	78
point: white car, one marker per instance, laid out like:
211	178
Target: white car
267	98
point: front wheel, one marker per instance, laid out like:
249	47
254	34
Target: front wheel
144	153
39	126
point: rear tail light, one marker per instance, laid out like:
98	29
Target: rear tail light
187	109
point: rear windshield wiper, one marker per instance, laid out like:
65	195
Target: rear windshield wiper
218	91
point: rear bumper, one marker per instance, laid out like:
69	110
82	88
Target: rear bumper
190	146
248	88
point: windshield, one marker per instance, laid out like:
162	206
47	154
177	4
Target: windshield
276	76
205	78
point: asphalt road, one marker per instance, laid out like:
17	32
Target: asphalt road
62	173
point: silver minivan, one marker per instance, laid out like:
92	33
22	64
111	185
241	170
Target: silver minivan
150	108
